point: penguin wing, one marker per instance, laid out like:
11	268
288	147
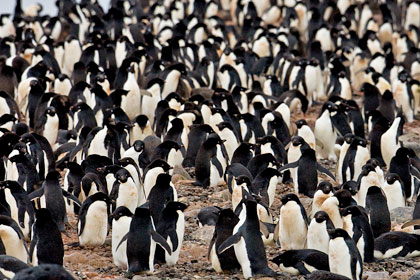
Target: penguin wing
229	242
124	238
161	241
289	165
72	197
24	206
324	170
212	242
145	92
34	241
302	269
264	230
411	223
218	165
415	172
36	194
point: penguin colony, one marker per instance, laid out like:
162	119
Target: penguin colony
98	107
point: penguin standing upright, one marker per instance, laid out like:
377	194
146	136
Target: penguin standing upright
304	131
293	223
394	191
121	219
93	220
318	237
343	256
47	125
124	191
389	140
377	208
46	245
12	239
325	132
141	242
323	192
247	243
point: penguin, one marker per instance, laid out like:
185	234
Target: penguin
44	271
208	216
227	133
348	138
265	184
307	167
141	242
141	128
323	192
168	151
92	224
242	186
318	238
91	183
121	219
12	239
10	266
332	205
389	140
247	243
325	132
343	256
21	209
47	125
367	178
152	172
171	227
83	116
226	221
208	168
46	245
131	166
356	156
356	223
124	191
304	131
134	152
261	162
302	262
396	244
394	191
387	106
377	125
161	194
52	193
377	209
243	153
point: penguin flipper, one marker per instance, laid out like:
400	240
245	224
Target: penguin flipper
161	241
124	238
415	222
218	165
302	269
212	242
264	230
36	194
32	248
415	172
229	242
174	239
72	197
325	171
289	165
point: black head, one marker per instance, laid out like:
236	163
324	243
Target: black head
226	218
290	197
100	196
351	186
391	178
301	123
121	211
325	186
243	179
159	163
14	186
141	120
349	138
53	175
163	179
344	198
321	216
173	206
297	141
367	168
50	111
337	233
138	146
122	175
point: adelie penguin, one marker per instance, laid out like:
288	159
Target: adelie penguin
247	243
225	224
318	237
12	239
325	132
93	220
121	219
323	192
10	266
394	191
141	242
293	223
307	166
377	209
343	256
302	262
124	191
397	244
161	194
46	245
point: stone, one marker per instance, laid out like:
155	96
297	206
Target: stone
415	276
91	274
179	170
401	215
203	234
192	213
402	275
75	258
141	277
383	275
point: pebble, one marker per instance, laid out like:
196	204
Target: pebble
204	234
401	275
75	258
415	276
401	214
376	275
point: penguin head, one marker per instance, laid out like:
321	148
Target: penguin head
374	162
159	163
337	233
290	197
349	138
173	206
79	107
224	125
100	196
109	169
331	107
50	111
344	198
226	217
121	211
367	168
20	128
14	186
321	216
243	179
122	175
125	161
163	179
300	123
351	186
53	175
141	120
138	146
391	178
403	153
297	141
352	210
325	186
19	151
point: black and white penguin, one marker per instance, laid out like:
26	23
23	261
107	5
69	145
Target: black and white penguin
208	216
332	205
394	191
318	237
171	227
243	153
152	172
356	156
396	244
325	132
124	191
265	184
226	221
121	219
161	194
302	262
247	243
93	220
293	223
356	223
141	242
47	125
323	192
377	209
142	128
46	245
343	256
12	239
53	195
304	131
83	116
307	166
389	140
261	162
10	266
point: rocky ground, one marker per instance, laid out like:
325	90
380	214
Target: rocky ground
96	263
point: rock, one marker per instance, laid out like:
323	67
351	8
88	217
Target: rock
192	213
415	276
401	275
176	178
75	258
307	204
402	214
203	234
179	170
91	274
376	275
140	277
